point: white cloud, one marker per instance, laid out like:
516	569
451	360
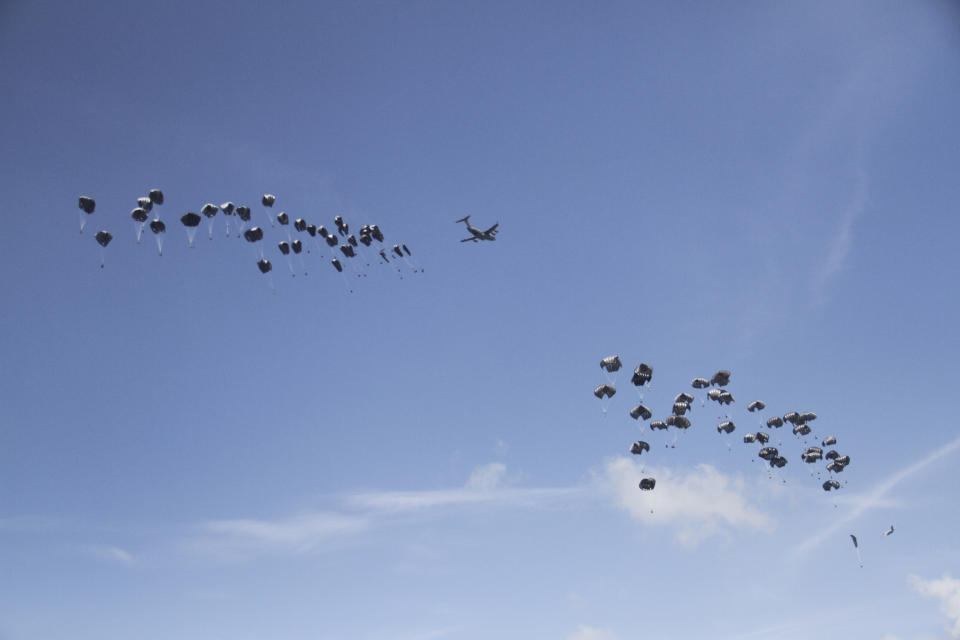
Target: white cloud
487	477
702	502
584	632
876	497
300	532
947	591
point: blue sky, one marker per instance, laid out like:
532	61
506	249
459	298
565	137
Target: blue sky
187	450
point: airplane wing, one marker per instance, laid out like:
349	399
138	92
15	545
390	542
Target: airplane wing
469	239
493	229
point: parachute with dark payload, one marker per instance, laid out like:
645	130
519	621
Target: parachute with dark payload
228	208
264	265
829	440
332	240
157	226
640	411
87	204
801	429
807	416
244	213
639	447
352	240
300	224
283	218
768	453
700	383
658	425
156	196
139	215
642	375
756	405
720	378
680	422
253	234
297	246
190	219
209	210
104	238
680	408
750	437
779	462
726	427
605	390
831	484
396	250
348	251
648	484
268	199
793	418
284	247
775	421
683	397
145	203
611	364
336	265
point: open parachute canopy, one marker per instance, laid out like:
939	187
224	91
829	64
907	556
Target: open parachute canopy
642	375
721	378
87	204
264	265
640	411
156	196
253	234
648	484
104	238
611	364
639	447
756	405
605	390
190	219
268	199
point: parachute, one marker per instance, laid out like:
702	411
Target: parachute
640	411
268	199
332	240
793	418
680	408
300	224
190	219
768	453
611	364
339	267
750	437
832	455
831	484
806	417
297	246
87	204
352	239
775	421
683	397
376	233
139	215
145	203
342	227
283	218
888	531
700	383
264	265
156	196
284	247
829	440
396	250
605	390
714	394
228	208
405	250
801	429
253	234
657	424
727	427
725	397
779	462
756	405
642	375
680	422
721	378
648	484
312	230
244	213
639	447
104	238
158	228
348	251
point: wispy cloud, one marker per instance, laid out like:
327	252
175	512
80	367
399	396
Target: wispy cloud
876	497
298	533
841	241
702	502
585	632
947	591
111	554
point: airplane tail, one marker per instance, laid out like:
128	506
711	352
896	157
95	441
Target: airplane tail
464	219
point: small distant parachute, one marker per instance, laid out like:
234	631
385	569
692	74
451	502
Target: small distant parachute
253	234
648	484
139	215
405	250
831	484
244	213
639	447
605	390
768	453
145	203
228	208
336	265
284	247
352	239
756	405
348	251
721	378
700	383
156	196
759	436
680	408
640	411
283	218
808	416
775	421
854	538
778	462
843	461
300	224
297	246
157	226
312	230
88	204
801	429
104	238
365	239
376	233
209	210
727	427
888	531
832	454
829	440
680	422
264	265
833	467
190	219
268	199
793	418
396	250
750	437
657	424
332	240
642	375
683	397
611	363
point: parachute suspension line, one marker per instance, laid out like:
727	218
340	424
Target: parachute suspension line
859	559
138	229
303	266
346	286
293	274
83	220
191	235
159	237
102	257
269	219
227	220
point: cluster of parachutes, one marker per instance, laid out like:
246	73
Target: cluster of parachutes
716	391
356	252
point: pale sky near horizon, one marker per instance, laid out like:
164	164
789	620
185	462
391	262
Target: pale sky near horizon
190	449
